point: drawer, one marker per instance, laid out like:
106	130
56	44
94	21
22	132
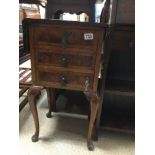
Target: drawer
66	37
64	79
69	50
54	58
123	40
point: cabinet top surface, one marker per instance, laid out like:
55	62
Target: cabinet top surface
67	23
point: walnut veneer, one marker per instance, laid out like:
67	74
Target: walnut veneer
65	55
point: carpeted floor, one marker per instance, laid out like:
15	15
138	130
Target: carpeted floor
65	134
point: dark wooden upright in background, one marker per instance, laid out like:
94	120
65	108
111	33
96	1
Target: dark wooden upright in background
119	99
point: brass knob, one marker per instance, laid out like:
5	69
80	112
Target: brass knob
64	61
64	41
63	80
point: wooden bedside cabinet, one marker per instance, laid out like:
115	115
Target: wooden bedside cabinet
65	55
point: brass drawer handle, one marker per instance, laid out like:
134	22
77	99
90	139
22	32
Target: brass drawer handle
63	80
64	41
64	61
87	83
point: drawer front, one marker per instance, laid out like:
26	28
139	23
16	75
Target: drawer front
66	60
66	37
65	79
123	40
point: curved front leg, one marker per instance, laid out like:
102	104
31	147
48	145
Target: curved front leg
94	103
33	93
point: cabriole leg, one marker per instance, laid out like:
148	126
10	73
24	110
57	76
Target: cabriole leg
33	93
94	103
